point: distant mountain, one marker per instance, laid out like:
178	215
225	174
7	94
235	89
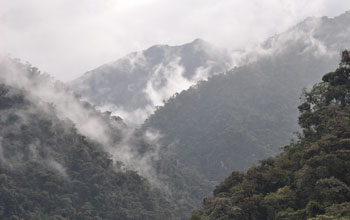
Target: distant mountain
235	119
133	85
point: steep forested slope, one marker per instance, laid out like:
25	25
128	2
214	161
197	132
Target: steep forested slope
62	159
233	120
311	178
49	171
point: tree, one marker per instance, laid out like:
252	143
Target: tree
334	90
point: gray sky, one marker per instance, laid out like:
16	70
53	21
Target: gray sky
69	37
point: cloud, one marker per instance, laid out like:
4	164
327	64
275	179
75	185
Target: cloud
67	38
132	118
303	38
166	81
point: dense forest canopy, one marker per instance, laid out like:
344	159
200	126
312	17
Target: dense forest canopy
311	178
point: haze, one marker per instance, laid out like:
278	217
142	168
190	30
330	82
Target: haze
67	38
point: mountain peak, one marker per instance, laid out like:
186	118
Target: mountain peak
142	80
198	41
345	16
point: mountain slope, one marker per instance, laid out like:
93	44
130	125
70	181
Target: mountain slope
310	179
50	171
60	158
133	85
232	120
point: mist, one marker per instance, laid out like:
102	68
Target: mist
66	38
48	94
151	81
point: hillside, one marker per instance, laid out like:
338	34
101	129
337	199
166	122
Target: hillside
49	171
235	119
310	179
133	85
60	158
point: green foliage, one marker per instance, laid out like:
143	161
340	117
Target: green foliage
282	199
311	178
313	208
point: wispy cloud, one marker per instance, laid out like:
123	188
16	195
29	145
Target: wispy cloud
67	38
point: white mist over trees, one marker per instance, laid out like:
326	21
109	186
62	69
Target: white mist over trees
133	86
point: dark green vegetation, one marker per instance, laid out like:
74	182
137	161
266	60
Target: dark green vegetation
311	178
235	119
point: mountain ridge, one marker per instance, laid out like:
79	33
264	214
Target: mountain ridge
140	81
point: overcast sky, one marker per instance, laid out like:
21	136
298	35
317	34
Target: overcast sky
69	37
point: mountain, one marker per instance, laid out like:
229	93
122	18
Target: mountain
232	120
310	179
133	85
60	158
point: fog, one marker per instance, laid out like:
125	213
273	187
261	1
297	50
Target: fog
67	38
